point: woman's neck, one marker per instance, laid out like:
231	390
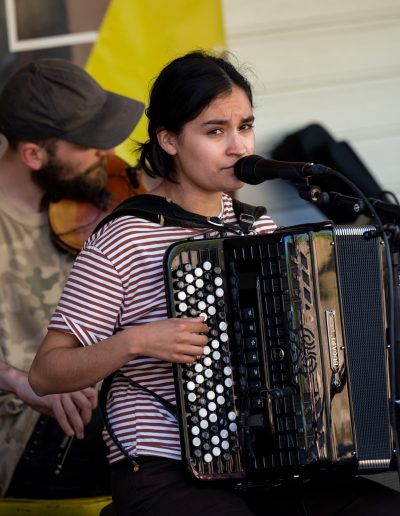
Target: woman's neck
207	204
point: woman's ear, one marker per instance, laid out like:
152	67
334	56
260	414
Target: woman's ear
32	155
3	145
167	141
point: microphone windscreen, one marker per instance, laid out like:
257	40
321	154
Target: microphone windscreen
245	169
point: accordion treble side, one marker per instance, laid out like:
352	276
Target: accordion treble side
294	378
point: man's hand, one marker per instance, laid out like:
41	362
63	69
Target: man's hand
71	410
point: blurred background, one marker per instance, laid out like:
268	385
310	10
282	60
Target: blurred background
326	75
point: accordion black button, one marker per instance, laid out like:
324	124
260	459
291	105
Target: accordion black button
248	313
254	372
251	342
252	358
256	403
249	327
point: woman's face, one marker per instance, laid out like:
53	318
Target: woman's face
207	148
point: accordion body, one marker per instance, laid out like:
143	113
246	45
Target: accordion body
294	379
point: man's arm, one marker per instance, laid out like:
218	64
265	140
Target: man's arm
72	410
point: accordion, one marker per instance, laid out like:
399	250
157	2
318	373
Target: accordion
294	378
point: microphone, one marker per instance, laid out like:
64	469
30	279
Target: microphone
256	169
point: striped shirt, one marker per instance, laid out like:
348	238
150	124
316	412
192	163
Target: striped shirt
117	281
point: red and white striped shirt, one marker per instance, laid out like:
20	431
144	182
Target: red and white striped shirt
117	281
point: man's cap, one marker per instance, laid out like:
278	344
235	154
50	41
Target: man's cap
54	98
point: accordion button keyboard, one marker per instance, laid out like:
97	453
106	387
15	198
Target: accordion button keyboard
210	406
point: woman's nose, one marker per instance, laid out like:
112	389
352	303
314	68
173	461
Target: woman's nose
237	145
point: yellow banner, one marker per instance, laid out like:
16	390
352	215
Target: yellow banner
138	37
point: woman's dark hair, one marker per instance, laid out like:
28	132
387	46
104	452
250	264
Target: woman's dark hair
183	89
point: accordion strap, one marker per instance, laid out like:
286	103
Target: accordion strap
161	211
105	387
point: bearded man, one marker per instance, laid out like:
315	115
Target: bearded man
57	127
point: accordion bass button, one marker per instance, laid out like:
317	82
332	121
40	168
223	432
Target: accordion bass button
227	371
189	278
211	395
207	266
208	457
190	289
182	307
207	361
216	451
196	441
191	386
224	433
218	281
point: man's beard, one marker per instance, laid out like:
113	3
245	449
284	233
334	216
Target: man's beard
89	185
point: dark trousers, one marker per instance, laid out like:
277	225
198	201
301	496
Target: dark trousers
161	487
54	466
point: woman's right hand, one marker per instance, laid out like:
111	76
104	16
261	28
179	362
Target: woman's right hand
178	340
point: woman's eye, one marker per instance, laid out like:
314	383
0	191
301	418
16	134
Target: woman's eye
246	127
215	131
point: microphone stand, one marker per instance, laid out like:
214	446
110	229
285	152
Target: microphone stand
370	206
356	204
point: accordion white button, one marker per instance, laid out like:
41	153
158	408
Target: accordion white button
207	266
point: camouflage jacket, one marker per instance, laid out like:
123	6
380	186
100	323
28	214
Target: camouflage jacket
32	274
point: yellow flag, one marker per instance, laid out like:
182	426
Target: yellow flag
138	37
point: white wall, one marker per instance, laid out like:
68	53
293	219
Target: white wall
336	63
